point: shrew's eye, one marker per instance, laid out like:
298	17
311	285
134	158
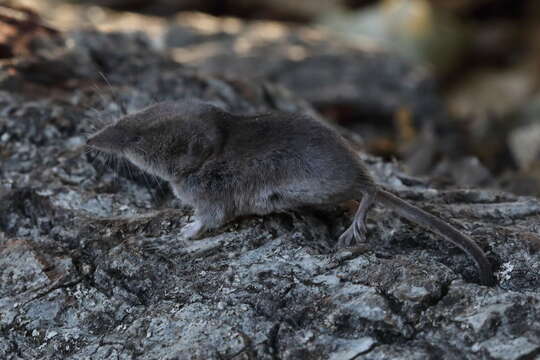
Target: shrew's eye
135	139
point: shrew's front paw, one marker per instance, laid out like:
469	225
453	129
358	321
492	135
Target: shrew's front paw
193	230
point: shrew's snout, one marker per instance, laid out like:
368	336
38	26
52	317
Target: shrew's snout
97	140
91	141
108	139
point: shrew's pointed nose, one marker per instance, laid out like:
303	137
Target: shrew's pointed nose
99	139
91	141
106	139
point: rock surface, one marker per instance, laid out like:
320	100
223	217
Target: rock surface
92	266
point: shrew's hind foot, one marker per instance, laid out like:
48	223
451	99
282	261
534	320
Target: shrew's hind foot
356	233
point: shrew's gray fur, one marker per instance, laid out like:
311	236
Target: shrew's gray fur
226	165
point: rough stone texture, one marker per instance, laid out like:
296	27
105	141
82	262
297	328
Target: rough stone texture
92	266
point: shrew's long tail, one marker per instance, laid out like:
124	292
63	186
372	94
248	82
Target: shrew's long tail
421	217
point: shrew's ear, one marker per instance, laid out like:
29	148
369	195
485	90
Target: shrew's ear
201	146
207	138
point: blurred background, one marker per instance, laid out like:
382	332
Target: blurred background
449	88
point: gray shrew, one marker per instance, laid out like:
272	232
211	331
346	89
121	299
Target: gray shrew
226	165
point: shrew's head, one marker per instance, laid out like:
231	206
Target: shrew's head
165	139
